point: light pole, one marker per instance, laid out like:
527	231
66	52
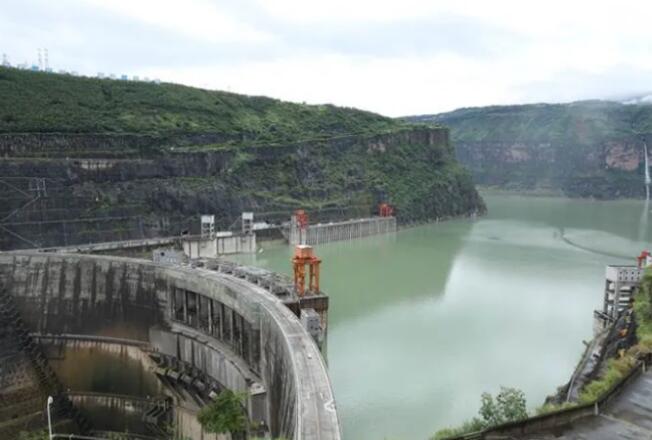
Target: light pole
50	402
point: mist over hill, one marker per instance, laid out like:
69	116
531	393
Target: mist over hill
585	149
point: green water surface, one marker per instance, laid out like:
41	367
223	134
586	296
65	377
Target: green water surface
423	322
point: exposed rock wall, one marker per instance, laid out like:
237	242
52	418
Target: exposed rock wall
586	149
609	170
103	188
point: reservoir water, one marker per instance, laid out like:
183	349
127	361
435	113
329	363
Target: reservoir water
423	322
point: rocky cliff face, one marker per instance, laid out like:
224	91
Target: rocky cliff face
587	149
77	188
609	170
86	160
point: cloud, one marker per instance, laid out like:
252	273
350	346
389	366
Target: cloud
377	84
396	57
202	19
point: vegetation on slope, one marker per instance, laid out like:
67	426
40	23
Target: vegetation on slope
42	102
193	152
583	149
422	181
643	308
618	368
509	405
225	414
581	123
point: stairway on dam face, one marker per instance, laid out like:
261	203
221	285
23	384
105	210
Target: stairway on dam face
26	378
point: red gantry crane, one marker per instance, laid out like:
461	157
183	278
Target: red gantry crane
305	256
301	220
385	210
642	259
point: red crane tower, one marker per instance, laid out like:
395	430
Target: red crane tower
385	210
642	259
301	221
305	256
302	218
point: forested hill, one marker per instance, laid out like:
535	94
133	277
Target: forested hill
126	159
588	148
36	102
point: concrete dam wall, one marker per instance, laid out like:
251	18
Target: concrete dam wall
235	332
340	231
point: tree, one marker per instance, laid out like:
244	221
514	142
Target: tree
225	414
509	405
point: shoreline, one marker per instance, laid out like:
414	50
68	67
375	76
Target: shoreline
542	193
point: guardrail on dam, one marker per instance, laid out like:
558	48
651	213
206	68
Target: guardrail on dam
236	332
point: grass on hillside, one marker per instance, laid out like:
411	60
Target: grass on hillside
586	123
45	102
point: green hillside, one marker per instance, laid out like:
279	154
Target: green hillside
41	102
132	159
587	149
583	122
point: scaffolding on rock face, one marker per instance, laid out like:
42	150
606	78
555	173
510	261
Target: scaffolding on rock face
305	256
36	190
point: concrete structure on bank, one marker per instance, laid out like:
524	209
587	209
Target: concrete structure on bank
221	244
211	244
206	330
208	244
195	245
113	246
339	231
621	283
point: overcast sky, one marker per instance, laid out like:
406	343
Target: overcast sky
396	57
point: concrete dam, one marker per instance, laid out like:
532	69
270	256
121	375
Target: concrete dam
191	332
340	231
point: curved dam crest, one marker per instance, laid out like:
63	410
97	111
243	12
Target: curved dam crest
236	332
